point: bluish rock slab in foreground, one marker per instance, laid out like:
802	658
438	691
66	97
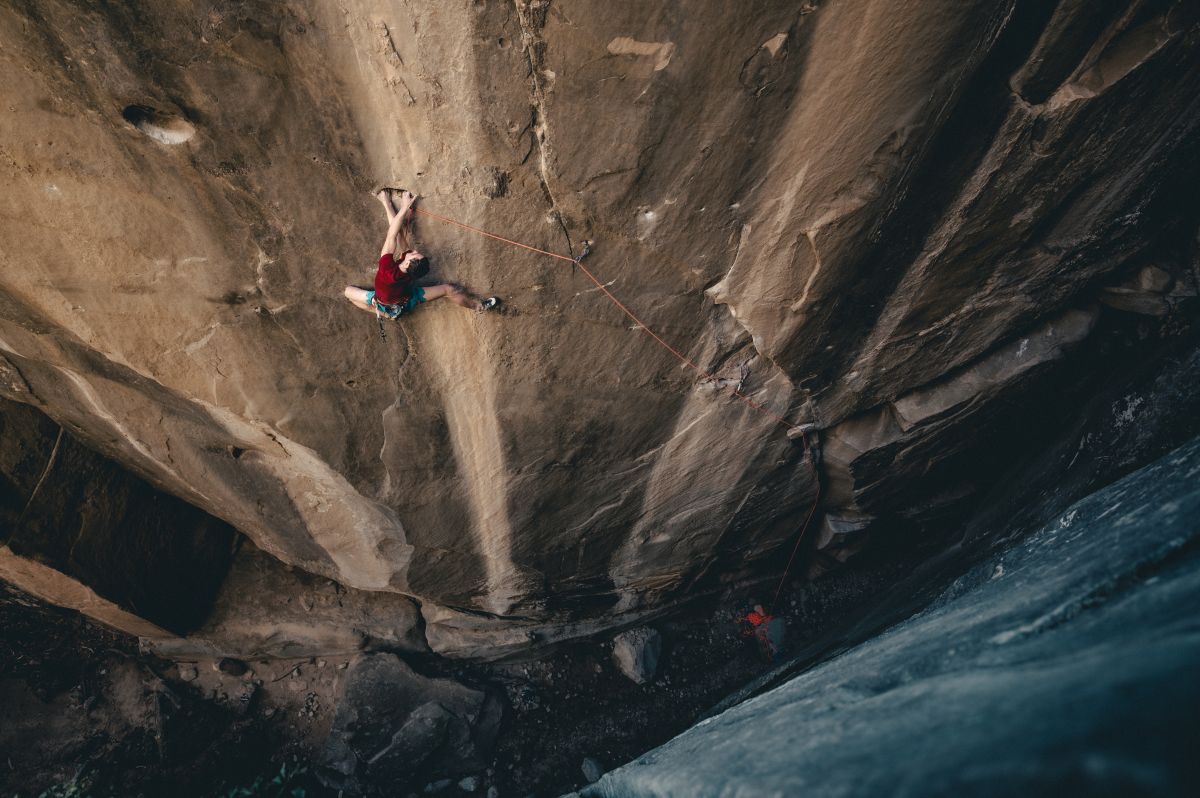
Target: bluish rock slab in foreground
1069	664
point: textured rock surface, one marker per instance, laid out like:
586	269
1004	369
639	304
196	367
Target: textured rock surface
636	653
850	212
391	721
1065	664
266	610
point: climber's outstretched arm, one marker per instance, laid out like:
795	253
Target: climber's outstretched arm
399	224
394	236
384	195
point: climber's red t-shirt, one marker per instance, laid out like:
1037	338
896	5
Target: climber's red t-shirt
392	286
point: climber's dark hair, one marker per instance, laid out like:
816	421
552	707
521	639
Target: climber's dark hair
418	268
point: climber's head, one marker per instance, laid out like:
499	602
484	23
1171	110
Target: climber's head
414	264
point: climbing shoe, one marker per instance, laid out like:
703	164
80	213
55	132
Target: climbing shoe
489	303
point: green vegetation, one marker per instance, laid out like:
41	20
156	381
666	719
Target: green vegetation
282	785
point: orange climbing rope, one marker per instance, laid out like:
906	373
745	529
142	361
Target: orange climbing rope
808	519
681	357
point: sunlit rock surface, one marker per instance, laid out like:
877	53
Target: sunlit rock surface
1065	665
855	211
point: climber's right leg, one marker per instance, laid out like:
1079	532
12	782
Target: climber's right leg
359	297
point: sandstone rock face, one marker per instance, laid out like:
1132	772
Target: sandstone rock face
849	211
920	433
266	610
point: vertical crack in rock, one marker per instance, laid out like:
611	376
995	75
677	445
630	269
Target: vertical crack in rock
531	16
45	473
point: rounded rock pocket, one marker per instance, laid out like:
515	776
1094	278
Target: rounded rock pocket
162	126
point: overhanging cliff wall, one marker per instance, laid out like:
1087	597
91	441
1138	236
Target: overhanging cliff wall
834	205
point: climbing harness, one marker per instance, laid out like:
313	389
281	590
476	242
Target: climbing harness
577	262
380	316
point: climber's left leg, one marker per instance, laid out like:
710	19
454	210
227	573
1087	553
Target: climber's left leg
458	296
452	292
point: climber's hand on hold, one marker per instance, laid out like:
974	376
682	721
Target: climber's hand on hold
407	201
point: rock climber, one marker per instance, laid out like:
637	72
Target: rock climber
396	291
767	631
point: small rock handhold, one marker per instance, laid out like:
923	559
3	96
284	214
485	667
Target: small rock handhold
495	183
592	770
469	784
636	653
493	792
188	674
162	126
